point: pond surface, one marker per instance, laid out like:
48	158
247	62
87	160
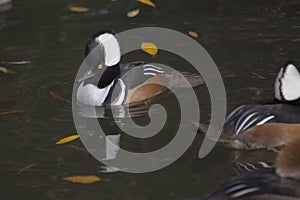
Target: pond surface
248	40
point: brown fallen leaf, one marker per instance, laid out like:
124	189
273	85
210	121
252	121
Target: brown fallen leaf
26	168
84	150
3	69
147	2
54	95
149	48
88	179
133	13
193	34
67	139
79	9
10	112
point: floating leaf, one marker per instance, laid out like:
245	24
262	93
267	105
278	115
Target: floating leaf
4	70
10	112
258	76
193	34
54	95
23	62
79	9
133	13
67	139
79	148
83	179
26	168
147	2
149	48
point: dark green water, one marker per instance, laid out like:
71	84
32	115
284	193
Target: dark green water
248	40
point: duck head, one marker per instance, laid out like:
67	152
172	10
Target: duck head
102	58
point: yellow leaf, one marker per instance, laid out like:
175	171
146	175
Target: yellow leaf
79	9
193	34
133	13
67	139
4	70
147	2
82	179
149	48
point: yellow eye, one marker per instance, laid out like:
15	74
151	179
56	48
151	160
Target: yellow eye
100	66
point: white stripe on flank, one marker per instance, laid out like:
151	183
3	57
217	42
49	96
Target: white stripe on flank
149	73
243	123
111	48
234	188
153	66
155	70
265	120
244	192
265	165
249	124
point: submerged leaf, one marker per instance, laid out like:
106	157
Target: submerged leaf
26	168
147	2
10	112
54	95
4	70
67	139
149	48
82	179
79	9
133	13
23	62
193	34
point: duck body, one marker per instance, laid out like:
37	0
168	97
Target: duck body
267	123
260	185
279	182
108	82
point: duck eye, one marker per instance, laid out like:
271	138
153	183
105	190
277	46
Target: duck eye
99	66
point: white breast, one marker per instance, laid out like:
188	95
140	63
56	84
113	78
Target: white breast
92	95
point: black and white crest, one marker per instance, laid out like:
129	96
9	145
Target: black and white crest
287	83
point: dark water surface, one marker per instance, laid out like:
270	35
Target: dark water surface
248	40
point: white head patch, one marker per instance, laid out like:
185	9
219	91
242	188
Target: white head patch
111	48
287	83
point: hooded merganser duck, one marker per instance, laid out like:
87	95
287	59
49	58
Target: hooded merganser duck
281	182
255	125
122	83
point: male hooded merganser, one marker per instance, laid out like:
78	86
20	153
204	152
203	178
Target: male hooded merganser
121	83
256	125
282	182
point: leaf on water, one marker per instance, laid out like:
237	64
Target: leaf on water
10	112
149	48
23	62
54	95
133	13
83	179
26	168
79	9
193	34
3	69
79	148
67	139
147	2
258	76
